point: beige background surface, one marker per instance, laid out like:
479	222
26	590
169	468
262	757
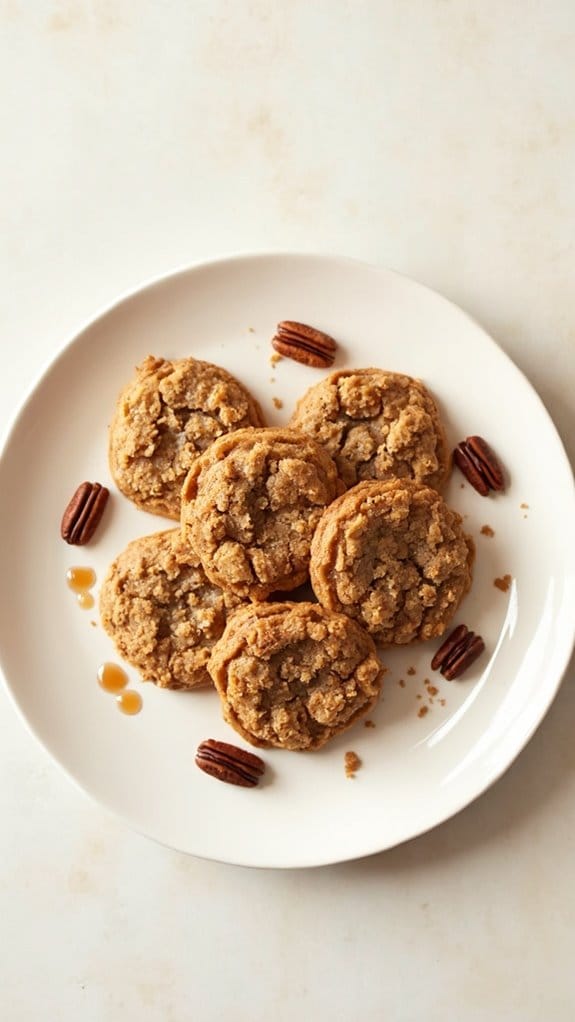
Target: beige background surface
436	137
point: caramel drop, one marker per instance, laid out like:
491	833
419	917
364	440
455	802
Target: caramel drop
112	677
80	579
129	702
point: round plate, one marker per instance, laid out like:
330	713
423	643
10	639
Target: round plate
430	752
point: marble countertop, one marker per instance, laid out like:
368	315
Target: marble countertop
434	137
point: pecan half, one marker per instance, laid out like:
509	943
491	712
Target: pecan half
479	465
304	344
228	763
83	514
457	653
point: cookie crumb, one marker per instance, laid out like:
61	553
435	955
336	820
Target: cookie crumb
442	702
432	690
419	696
524	507
369	723
251	330
462	486
94	624
352	764
411	671
272	379
422	711
401	683
278	403
503	583
486	530
275	358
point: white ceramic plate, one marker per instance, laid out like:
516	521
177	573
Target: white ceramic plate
417	770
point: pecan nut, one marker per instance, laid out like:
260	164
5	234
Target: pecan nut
479	465
304	344
84	513
457	653
228	763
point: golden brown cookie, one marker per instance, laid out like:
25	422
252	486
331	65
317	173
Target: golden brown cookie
376	425
294	675
162	612
165	417
250	505
393	556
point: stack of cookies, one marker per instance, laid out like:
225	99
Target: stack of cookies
347	495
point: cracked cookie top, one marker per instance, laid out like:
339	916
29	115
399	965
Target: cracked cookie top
162	612
294	675
393	556
165	417
250	505
376	425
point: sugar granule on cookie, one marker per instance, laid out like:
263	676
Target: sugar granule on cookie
293	675
165	417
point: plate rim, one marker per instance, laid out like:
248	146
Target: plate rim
230	260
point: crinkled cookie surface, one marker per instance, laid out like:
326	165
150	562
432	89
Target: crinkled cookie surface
162	612
250	506
376	425
294	675
394	557
165	418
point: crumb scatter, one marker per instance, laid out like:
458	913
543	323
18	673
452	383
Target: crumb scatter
503	583
352	764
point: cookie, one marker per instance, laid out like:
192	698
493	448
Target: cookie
376	425
294	675
393	556
250	505
165	417
162	612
